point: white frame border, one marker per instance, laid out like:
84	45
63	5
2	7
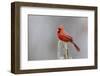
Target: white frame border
25	64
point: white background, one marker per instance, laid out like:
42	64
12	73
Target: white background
5	42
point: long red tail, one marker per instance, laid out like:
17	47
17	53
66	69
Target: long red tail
77	48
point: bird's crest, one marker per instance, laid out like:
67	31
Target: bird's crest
61	26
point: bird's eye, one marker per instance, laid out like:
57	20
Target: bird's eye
59	29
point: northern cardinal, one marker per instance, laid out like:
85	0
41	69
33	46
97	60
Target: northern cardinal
65	37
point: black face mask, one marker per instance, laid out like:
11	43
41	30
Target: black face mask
59	30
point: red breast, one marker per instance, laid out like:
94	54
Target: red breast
62	35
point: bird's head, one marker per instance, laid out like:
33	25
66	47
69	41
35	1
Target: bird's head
60	28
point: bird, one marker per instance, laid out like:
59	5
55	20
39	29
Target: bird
64	36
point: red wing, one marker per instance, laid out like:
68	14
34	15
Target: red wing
67	35
64	38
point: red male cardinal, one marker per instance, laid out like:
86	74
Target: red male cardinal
65	37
